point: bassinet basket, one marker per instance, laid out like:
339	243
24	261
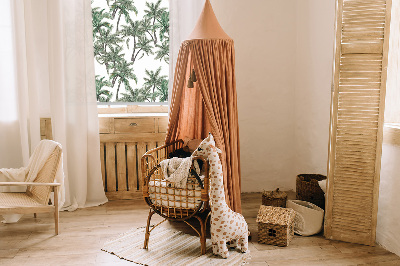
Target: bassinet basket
171	202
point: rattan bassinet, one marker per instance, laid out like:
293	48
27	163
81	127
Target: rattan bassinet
170	202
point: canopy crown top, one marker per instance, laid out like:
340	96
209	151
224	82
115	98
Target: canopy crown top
207	26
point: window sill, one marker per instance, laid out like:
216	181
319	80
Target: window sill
134	109
126	115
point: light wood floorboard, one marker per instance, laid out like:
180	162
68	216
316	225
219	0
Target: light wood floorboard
82	233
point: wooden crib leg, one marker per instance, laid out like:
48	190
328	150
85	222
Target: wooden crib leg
147	235
203	236
203	232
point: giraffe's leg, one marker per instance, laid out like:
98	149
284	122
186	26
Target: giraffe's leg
232	244
243	243
215	248
222	249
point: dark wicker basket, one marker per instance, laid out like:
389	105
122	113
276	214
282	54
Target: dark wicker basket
308	189
274	198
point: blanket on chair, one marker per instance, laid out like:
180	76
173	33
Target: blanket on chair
29	173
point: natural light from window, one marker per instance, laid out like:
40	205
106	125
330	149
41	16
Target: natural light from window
8	109
131	44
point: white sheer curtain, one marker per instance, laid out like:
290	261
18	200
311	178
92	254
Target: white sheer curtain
10	155
183	15
55	78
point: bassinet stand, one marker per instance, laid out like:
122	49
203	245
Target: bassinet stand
151	172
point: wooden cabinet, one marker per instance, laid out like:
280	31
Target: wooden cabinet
162	125
148	128
123	141
106	125
135	125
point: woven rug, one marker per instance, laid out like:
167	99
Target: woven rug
167	247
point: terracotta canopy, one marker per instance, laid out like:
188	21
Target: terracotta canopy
211	105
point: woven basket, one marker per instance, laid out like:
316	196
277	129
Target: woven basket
308	189
275	225
277	235
274	198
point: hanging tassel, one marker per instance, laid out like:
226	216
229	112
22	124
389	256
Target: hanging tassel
190	83
193	76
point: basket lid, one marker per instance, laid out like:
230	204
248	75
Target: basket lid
275	215
275	194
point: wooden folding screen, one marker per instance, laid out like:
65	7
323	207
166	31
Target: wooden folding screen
358	96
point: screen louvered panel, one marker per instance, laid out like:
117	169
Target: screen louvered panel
356	119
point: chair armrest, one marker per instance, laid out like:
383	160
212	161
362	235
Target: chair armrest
29	184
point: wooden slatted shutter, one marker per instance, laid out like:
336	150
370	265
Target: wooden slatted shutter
358	97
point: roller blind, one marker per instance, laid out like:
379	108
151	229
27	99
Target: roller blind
358	97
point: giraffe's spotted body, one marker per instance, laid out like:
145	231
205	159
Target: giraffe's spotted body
226	225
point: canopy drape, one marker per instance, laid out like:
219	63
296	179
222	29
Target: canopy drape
211	106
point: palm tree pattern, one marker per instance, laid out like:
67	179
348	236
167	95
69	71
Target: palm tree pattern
118	31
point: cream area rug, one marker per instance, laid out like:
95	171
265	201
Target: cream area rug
168	247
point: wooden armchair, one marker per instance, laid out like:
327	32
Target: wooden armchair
36	197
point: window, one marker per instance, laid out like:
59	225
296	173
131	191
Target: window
131	47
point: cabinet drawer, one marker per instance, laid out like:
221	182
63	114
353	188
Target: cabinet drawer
162	124
134	125
106	125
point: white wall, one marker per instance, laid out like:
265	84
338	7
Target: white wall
264	33
388	227
314	60
284	56
284	52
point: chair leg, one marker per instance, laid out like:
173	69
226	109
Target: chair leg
203	232
56	211
34	215
147	235
203	236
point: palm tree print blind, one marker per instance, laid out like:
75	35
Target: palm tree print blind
131	47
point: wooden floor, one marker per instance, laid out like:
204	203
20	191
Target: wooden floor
82	233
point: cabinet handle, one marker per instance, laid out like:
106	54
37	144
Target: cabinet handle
133	124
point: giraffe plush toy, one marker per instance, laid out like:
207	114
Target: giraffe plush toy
226	225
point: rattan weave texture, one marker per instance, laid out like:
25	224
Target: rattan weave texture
275	225
46	175
16	199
